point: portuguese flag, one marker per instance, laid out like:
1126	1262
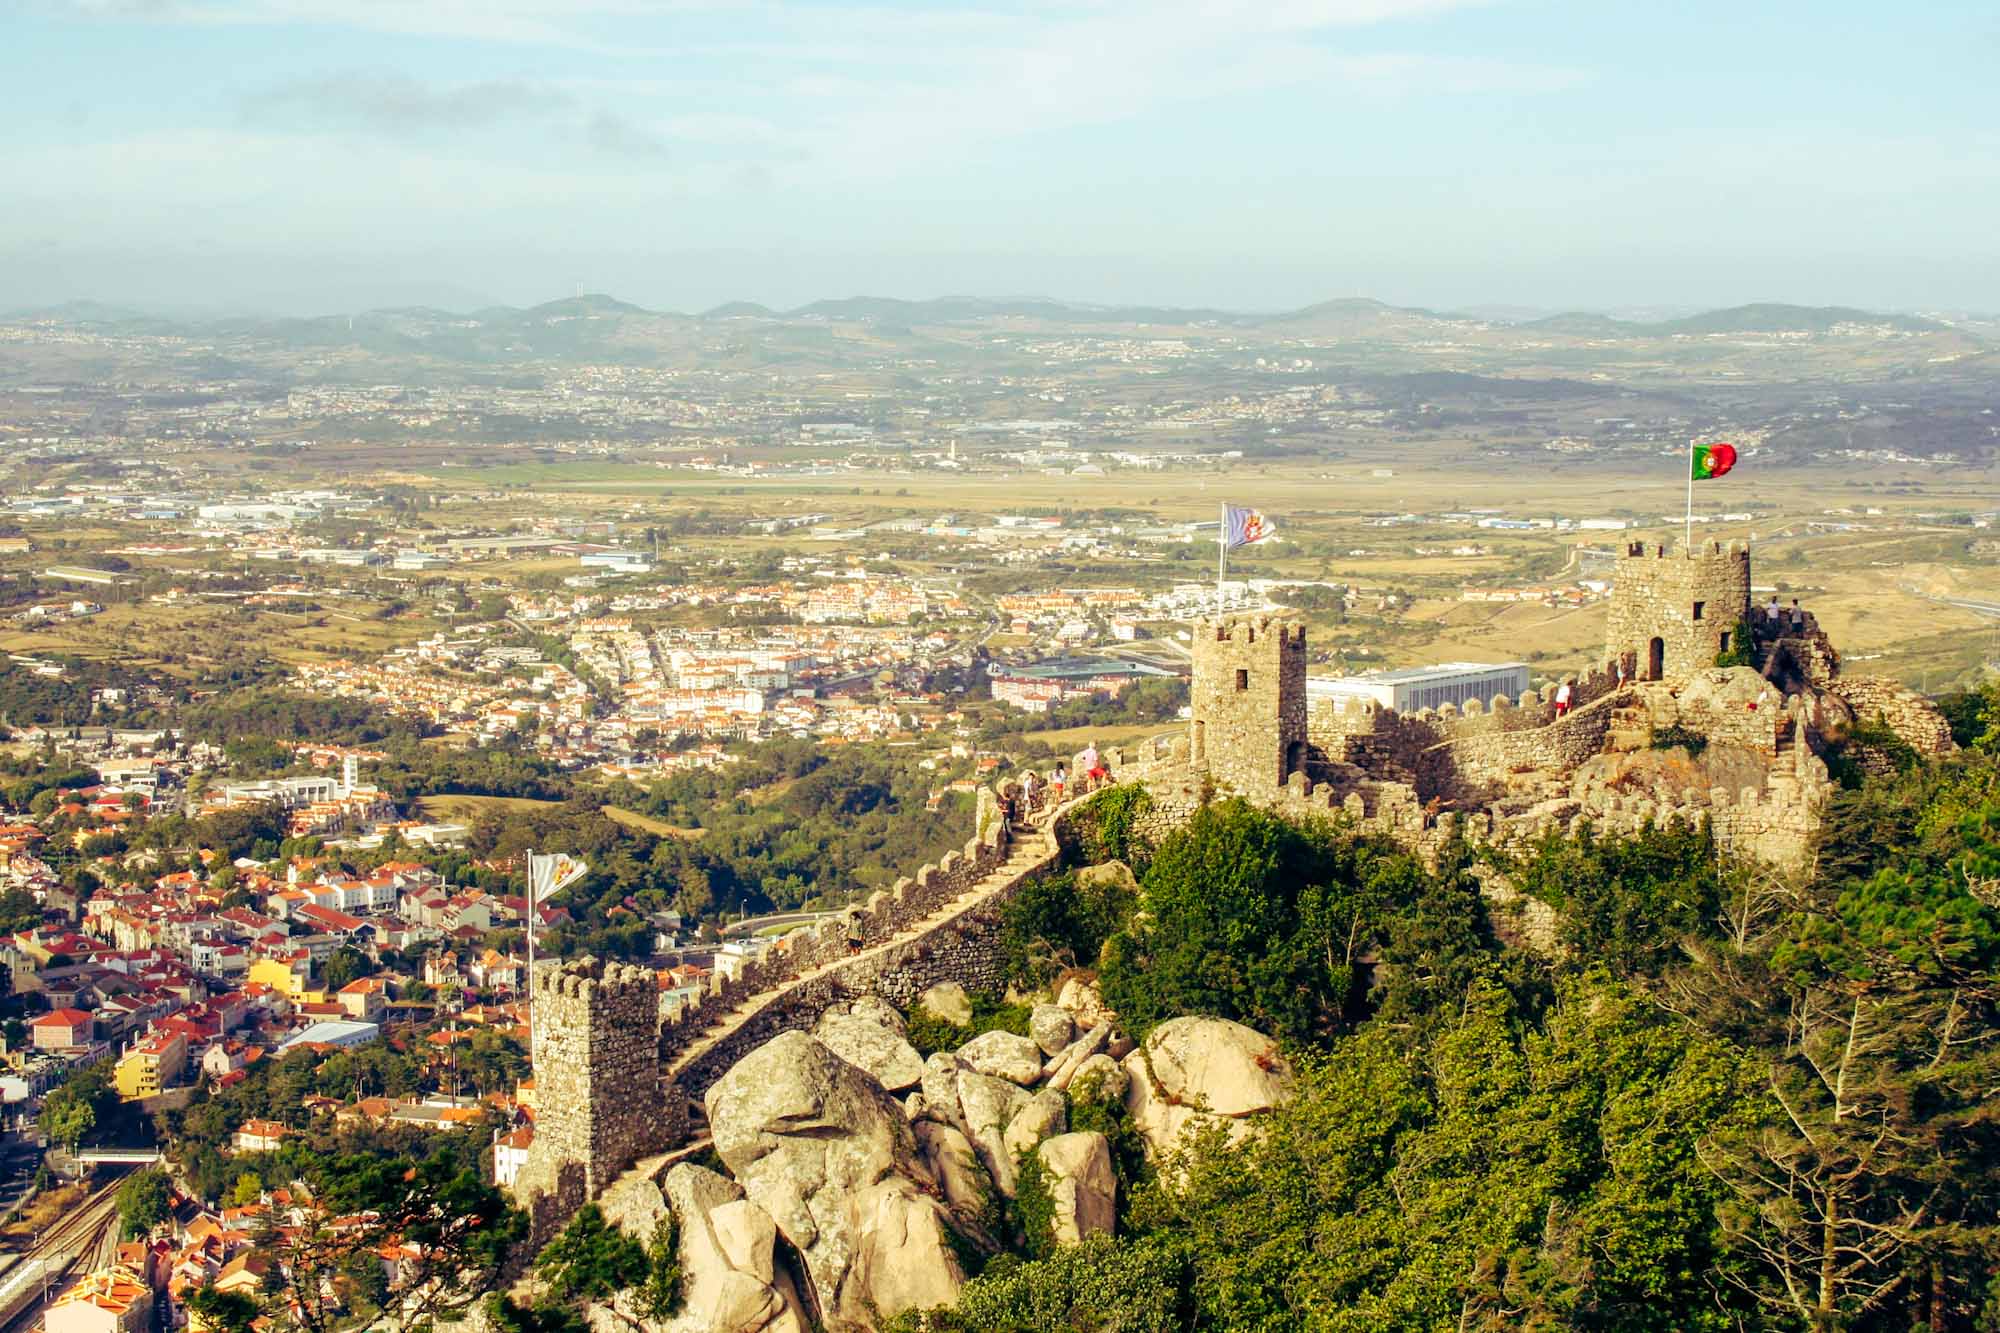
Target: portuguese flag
1711	461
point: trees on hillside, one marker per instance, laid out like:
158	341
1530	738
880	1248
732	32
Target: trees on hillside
1740	1099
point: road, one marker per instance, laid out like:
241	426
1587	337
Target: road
738	929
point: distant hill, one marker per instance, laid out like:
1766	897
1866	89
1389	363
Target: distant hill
603	328
959	309
739	310
82	312
1773	318
1768	317
1357	317
589	304
1583	324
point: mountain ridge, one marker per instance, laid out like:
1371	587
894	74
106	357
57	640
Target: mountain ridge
1350	313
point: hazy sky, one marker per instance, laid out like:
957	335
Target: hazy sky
330	154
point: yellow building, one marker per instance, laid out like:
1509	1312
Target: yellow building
154	1065
279	975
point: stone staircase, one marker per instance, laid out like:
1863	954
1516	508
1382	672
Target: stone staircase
1032	848
1631	729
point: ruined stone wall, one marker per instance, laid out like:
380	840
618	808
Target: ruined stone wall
1456	752
1911	716
967	951
593	1043
966	947
1481	759
884	914
1248	696
1796	656
1688	600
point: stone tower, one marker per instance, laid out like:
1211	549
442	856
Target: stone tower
595	1043
1673	612
1248	701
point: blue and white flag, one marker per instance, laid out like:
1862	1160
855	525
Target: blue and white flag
1240	527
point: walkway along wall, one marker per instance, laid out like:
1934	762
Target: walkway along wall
622	1084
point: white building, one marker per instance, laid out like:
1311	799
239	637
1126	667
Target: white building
1412	688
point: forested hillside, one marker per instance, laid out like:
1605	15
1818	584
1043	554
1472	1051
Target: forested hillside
1730	1100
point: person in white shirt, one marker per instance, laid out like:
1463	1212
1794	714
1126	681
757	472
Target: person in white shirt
1562	699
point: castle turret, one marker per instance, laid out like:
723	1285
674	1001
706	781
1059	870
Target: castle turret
1674	612
595	1042
1248	701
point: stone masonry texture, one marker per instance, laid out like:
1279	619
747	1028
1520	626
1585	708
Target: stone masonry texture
1248	699
1687	601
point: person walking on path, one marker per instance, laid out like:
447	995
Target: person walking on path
1028	792
1057	780
1562	699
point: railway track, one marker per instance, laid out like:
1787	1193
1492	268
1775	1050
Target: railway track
40	1270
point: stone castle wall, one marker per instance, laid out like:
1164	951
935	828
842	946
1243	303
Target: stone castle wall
1901	709
1455	752
1687	600
885	913
1248	698
966	950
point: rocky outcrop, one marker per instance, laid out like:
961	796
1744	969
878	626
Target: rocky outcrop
1051	1027
1098	1078
873	1046
1081	1184
1063	1068
730	1279
827	1153
1046	1113
986	1106
1003	1055
1079	998
947	1001
1218	1066
1195	1072
955	1167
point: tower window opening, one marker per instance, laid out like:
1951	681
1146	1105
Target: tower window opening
1697	609
1242	678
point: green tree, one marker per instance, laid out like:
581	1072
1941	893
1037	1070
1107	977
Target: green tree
224	1311
591	1262
346	964
145	1199
1257	918
455	1230
69	1112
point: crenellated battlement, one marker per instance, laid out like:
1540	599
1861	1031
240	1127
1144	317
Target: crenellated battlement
1249	631
592	982
1714	550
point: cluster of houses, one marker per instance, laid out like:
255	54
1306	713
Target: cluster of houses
225	1248
184	978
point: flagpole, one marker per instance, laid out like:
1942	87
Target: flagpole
1687	536
1221	554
